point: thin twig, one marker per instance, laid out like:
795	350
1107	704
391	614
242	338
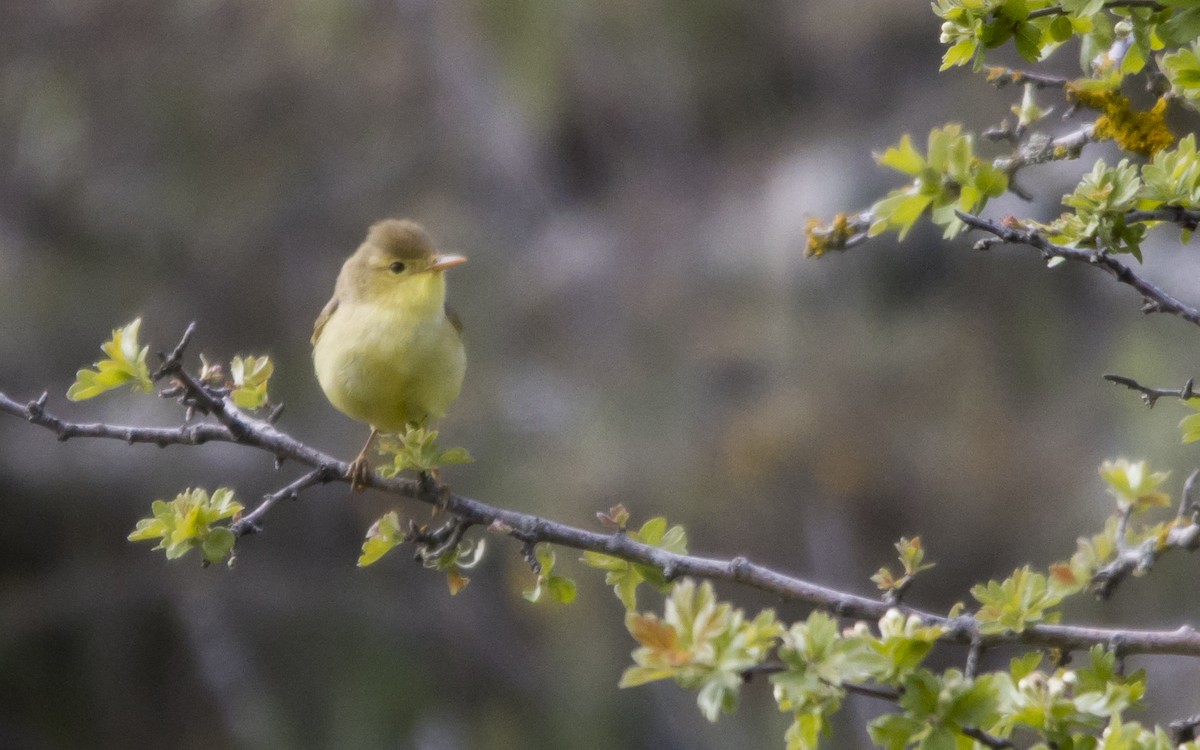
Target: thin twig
1002	76
250	523
1185	218
870	691
172	362
983	737
1155	300
974	654
1152	395
1056	10
1042	148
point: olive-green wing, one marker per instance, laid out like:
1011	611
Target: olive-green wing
453	318
323	318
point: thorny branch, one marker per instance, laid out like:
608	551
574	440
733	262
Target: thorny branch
1042	148
1155	300
233	426
1152	395
1183	535
1002	77
1058	11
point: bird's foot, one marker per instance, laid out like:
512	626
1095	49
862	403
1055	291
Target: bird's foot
359	473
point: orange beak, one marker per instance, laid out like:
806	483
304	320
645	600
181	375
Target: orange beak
442	262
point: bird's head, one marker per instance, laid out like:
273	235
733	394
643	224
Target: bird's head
398	261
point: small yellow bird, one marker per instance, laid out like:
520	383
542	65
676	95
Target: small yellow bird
387	349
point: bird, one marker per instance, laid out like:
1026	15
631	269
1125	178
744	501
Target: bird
387	349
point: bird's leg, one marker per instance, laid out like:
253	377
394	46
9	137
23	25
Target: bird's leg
359	472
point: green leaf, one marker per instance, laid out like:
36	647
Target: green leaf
561	589
638	676
903	158
939	738
1181	27
126	363
1019	667
959	54
652	531
894	731
250	376
1061	29
1172	177
1134	486
899	210
1023	599
217	544
716	698
543	553
903	643
1028	40
921	691
805	731
1134	60
383	535
603	561
1182	69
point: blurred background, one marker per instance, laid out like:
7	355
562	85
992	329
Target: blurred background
631	181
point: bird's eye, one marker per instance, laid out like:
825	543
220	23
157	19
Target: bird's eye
397	267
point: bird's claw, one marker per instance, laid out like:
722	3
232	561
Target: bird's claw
359	474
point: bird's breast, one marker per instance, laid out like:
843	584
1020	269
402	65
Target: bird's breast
389	369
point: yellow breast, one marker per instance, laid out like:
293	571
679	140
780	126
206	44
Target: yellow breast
388	367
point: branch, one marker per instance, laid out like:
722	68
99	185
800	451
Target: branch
1155	300
1189	220
1002	77
984	738
1057	11
1184	730
249	523
1041	149
233	426
1152	395
530	529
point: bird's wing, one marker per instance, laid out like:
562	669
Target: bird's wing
453	318
323	318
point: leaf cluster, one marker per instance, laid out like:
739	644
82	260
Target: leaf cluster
702	644
186	523
1025	598
912	561
949	177
416	448
820	661
250	375
451	556
125	363
1039	27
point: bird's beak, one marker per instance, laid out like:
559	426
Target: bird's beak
442	262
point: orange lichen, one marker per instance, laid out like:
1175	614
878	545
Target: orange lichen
1143	132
